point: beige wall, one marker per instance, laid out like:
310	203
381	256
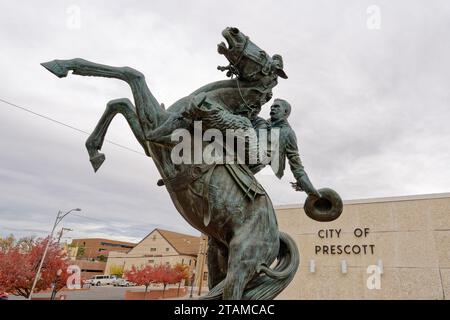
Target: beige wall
411	237
201	268
152	250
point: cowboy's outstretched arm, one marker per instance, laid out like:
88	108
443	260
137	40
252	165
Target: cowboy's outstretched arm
303	183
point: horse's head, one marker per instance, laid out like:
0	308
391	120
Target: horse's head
247	60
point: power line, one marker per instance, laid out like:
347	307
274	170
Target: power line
65	125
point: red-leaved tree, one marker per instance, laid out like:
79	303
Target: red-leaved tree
18	268
181	273
165	274
143	276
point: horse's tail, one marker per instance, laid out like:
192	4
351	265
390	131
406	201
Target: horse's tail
271	282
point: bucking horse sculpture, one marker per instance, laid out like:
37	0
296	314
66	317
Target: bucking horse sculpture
248	257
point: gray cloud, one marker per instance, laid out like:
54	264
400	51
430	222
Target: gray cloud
371	107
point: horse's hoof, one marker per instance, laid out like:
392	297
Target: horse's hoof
55	68
97	161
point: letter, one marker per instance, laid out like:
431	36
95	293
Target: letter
264	155
245	309
338	232
364	246
318	248
177	310
181	152
359	249
366	231
268	309
198	142
372	246
325	249
358	232
74	19
253	311
74	280
196	310
320	233
229	146
235	309
240	145
275	149
332	249
213	152
262	310
339	249
374	17
252	139
347	247
205	311
187	310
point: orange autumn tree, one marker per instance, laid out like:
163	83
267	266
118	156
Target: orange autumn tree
143	276
181	273
18	268
165	274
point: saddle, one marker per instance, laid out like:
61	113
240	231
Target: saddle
240	173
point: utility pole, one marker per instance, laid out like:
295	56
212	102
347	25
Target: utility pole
58	219
52	297
202	263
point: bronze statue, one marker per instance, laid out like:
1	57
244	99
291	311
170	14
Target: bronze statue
222	200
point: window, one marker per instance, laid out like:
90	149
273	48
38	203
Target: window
167	263
152	249
167	249
205	276
154	237
151	261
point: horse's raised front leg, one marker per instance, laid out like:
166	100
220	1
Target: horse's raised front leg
95	141
150	113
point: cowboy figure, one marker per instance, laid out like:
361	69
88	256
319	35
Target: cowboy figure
279	112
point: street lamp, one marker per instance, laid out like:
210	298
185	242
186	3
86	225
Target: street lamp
58	219
58	274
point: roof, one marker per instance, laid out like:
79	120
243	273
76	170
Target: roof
103	240
374	200
182	243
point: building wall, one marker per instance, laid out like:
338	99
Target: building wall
410	238
94	247
89	268
152	250
201	268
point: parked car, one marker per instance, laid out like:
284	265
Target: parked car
101	280
3	296
123	283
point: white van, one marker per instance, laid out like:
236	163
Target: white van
101	280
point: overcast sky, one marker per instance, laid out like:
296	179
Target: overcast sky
370	97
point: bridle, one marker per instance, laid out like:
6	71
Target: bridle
233	71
